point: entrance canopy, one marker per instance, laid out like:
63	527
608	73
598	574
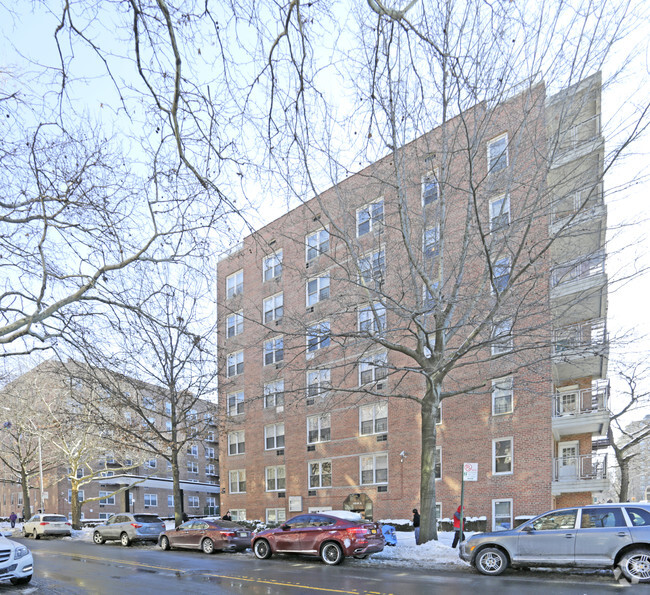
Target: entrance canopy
163	483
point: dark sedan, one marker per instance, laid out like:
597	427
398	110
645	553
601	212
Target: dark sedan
325	535
208	536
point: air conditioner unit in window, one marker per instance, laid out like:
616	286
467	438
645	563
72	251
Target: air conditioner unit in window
311	447
306	265
279	409
277	323
278	366
380	385
382	488
282	494
310	309
311	493
280	452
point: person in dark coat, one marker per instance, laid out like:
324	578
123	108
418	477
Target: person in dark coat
416	525
12	519
458	532
226	517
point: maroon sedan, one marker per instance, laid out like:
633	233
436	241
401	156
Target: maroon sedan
330	537
208	536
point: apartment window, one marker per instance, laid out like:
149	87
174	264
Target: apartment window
210	436
148	402
273	308
499	212
320	474
209	452
104	516
275	479
272	266
370	217
430	241
238	514
192	467
209	470
274	393
168	408
170	501
168	426
193	450
236	443
318	383
438	510
235	284
210	501
497	154
80	495
502	395
236	403
106	499
374	469
373	369
502	456
430	188
318	336
235	364
273	351
318	289
193	501
150	500
502	340
437	466
237	481
151	463
317	243
372	267
235	324
274	436
318	428
373	419
501	271
372	318
276	515
502	514
430	296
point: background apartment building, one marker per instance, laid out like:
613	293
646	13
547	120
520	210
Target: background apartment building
483	238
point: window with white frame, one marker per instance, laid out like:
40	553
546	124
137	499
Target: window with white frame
430	188
272	266
320	474
210	469
105	498
502	456
238	514
437	466
209	452
499	212
430	241
318	383
273	351
502	339
273	308
150	500
168	408
192	467
501	271
318	336
237	481
168	426
170	501
193	450
438	510
318	289
497	154
210	501
235	403
193	501
373	368
372	318
430	296
104	516
502	514
210	436
235	324
318	428
275	478
374	468
276	515
373	418
235	364
502	395
274	394
151	463
235	284
317	243
236	443
372	267
273	436
370	217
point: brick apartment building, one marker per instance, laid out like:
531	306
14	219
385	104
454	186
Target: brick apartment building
311	305
152	489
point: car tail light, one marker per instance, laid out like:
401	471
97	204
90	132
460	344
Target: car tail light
69	524
44	524
136	525
227	533
357	531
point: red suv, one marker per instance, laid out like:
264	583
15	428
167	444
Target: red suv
325	535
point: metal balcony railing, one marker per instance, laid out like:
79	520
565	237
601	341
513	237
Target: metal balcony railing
583	401
580	467
572	138
583	338
580	203
589	266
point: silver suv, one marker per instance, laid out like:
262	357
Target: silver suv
129	527
598	536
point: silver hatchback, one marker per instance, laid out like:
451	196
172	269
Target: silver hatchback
598	536
129	527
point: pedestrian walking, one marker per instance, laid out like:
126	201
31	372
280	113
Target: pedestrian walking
226	517
416	525
458	531
12	519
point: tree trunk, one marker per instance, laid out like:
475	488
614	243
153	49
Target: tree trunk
178	497
27	505
624	466
75	505
428	522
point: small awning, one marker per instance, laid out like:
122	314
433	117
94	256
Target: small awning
143	481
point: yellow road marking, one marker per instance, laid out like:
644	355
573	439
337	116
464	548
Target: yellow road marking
279	584
128	562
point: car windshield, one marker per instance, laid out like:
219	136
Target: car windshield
229	525
55	518
146	518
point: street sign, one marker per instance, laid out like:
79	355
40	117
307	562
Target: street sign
470	471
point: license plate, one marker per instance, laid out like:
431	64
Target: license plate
243	534
373	531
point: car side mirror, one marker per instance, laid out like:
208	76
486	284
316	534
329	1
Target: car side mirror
527	529
285	527
177	528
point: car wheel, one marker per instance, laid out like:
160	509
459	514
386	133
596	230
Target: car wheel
491	561
97	538
164	542
21	581
35	534
207	545
124	540
262	549
361	556
635	565
331	553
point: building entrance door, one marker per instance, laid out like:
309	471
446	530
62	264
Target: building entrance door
360	503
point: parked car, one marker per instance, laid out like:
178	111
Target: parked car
47	524
16	562
129	527
598	536
208	536
329	536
